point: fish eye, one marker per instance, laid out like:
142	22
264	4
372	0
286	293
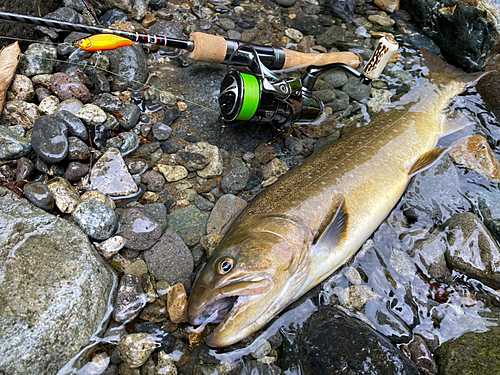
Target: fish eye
225	265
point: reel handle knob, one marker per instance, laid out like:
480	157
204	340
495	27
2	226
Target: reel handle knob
386	48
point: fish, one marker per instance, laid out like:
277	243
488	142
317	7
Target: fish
102	42
305	226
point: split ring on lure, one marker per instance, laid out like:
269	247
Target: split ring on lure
102	42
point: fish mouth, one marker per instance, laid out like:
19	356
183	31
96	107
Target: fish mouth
222	306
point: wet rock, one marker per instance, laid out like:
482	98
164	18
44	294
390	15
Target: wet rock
38	59
75	171
390	6
172	173
429	254
264	154
177	304
39	195
125	369
386	322
136	268
211	153
188	220
39	252
236	180
18	112
96	219
294	144
262	350
128	116
475	153
77	149
472	353
24	169
355	297
202	203
49	139
155	312
166	365
12	146
65	195
191	161
21	88
170	147
356	90
170	259
136	348
91	114
158	212
7	174
75	125
130	299
67	87
130	143
111	246
336	78
465	31
344	9
422	356
225	211
111	177
256	367
71	105
108	102
139	229
472	250
381	20
349	343
153	180
48	106
130	62
161	131
98	196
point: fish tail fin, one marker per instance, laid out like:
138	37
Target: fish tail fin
441	70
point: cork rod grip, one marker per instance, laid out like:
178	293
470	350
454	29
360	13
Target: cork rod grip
208	48
298	60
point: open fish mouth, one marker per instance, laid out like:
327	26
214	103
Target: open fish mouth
222	306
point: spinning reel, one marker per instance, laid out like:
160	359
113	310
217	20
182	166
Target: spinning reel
255	93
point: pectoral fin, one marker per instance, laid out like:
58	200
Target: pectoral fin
427	160
334	228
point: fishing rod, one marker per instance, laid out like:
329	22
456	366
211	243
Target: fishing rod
205	47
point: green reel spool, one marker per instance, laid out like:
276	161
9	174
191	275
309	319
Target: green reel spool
240	96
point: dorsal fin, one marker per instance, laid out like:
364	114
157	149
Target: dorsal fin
427	160
334	230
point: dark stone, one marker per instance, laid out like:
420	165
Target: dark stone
158	212
107	102
422	356
12	146
161	131
130	299
75	126
191	160
158	4
136	166
464	34
99	135
39	195
77	149
139	229
49	138
99	80
112	15
170	259
472	353
129	62
236	180
487	87
24	169
342	8
7	174
307	24
128	115
75	171
171	116
153	180
169	147
331	342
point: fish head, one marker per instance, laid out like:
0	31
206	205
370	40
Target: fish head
82	43
254	273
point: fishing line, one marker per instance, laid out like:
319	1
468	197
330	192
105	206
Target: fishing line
144	85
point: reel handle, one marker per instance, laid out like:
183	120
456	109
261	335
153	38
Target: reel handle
386	48
216	49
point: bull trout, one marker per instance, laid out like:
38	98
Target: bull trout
305	226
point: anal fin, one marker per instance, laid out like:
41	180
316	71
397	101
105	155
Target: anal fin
427	160
334	228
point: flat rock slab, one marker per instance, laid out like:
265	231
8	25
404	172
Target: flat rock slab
54	288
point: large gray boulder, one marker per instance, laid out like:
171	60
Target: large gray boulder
54	288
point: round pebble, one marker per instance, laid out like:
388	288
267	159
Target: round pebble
75	171
161	131
139	229
136	348
67	87
153	180
49	139
96	219
39	195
